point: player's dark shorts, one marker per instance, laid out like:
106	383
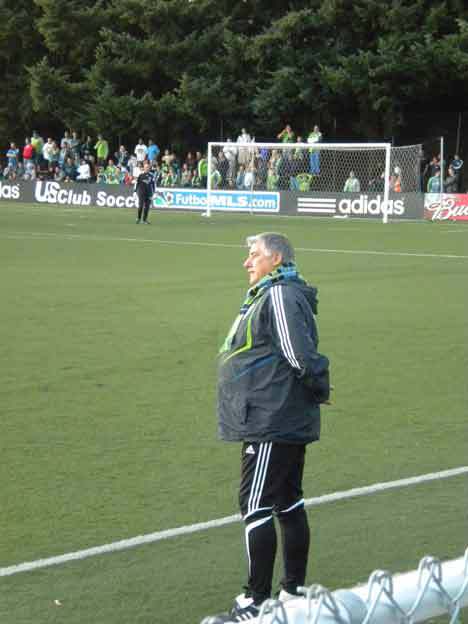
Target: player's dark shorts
271	478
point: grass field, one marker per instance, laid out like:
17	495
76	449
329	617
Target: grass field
109	335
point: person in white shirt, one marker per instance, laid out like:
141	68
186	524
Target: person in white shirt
140	151
47	150
249	178
352	184
84	172
230	151
244	152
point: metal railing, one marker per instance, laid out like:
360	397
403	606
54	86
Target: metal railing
435	588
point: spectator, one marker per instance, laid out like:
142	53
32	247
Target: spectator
186	176
65	139
451	182
432	167
243	154
153	150
196	181
57	173
457	166
12	175
122	156
304	182
74	144
283	171
69	170
191	161
54	156
87	150
169	178
134	167
29	172
12	157
19	170
314	154
202	169
299	165
223	168
352	184
111	173
47	152
240	178
175	164
262	168
84	171
249	177
38	143
101	175
433	185
140	151
64	153
395	180
167	158
216	179
102	150
377	183
28	151
157	173
128	178
272	178
230	152
286	135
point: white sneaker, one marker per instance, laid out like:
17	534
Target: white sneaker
244	609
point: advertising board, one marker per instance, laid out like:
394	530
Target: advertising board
446	207
226	201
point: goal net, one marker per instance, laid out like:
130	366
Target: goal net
370	168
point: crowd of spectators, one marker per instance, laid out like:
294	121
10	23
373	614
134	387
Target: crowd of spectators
89	160
240	165
92	161
432	174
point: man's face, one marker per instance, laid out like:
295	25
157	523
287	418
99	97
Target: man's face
258	263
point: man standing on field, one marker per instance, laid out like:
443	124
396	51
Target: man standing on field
144	189
271	383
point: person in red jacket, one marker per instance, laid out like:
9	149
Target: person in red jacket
28	151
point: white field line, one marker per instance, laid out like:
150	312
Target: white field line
210	524
48	235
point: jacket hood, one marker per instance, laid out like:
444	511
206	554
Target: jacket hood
311	293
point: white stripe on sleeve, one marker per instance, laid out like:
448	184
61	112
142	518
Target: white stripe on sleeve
282	326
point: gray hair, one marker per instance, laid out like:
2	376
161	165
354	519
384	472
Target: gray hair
274	243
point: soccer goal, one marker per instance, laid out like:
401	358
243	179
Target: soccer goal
377	169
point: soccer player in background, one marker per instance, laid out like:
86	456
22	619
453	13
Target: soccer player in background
144	188
271	383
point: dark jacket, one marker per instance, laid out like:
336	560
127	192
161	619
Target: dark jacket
145	184
451	184
271	378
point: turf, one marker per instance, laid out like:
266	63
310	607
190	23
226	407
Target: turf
109	339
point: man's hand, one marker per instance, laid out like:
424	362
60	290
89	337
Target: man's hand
329	401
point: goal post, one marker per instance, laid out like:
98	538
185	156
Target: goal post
374	172
298	167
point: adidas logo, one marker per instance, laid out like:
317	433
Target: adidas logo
250	450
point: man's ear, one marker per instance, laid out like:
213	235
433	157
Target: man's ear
277	258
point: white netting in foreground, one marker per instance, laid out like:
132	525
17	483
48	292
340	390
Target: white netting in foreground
434	589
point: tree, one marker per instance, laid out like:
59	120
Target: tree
20	45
